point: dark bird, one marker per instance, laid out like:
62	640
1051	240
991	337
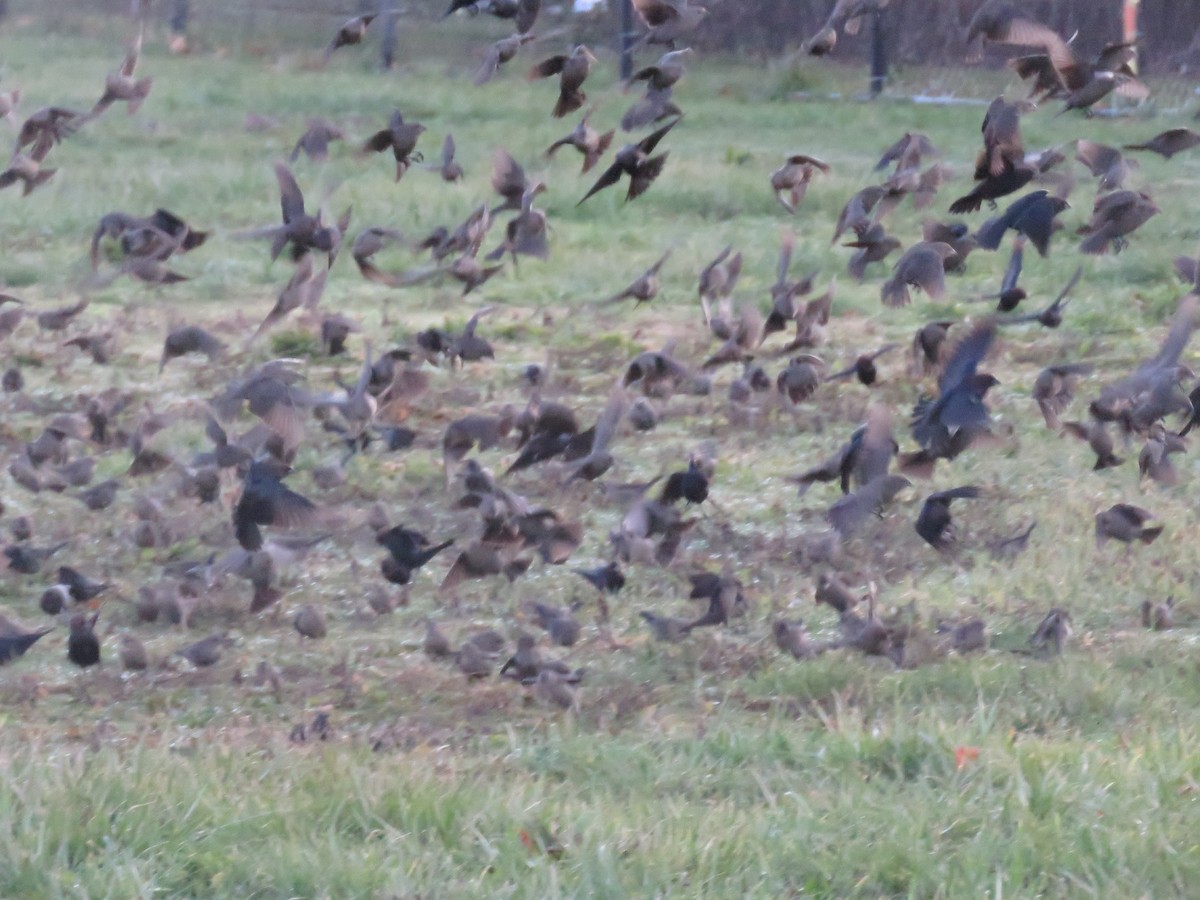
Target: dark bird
81	588
921	266
800	378
508	180
46	127
1052	633
266	500
934	521
1169	142
349	33
28	560
961	389
665	73
83	646
587	140
408	551
789	183
133	653
448	167
1052	315
401	138
572	70
635	161
27	169
928	343
1114	216
856	214
525	234
559	622
1126	523
15	641
1000	22
436	645
1000	167
607	579
1155	459
690	485
1031	217
864	368
668	629
907	152
957	235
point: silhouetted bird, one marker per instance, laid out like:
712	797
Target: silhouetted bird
83	646
1126	523
1169	142
635	161
266	500
933	522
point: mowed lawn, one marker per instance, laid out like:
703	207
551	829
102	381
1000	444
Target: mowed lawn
714	767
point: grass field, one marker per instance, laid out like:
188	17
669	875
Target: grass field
714	767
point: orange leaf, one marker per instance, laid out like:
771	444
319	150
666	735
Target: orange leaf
963	755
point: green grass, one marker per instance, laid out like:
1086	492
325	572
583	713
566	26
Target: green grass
711	768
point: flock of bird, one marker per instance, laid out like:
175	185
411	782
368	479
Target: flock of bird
239	483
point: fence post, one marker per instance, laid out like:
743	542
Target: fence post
878	53
626	39
387	46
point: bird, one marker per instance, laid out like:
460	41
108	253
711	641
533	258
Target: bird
1114	216
961	389
572	70
1158	616
499	53
873	244
83	646
846	16
15	641
1032	217
587	140
645	287
848	514
863	367
449	168
668	629
436	645
1105	163
922	266
205	652
1168	143
408	550
265	500
122	86
635	160
401	138
349	33
1126	523
793	638
309	621
789	183
314	143
1095	432
933	522
1054	388
132	653
668	20
1052	632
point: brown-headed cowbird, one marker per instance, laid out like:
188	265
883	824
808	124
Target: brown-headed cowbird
1169	142
587	140
572	70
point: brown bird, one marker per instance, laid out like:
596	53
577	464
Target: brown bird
1155	459
999	22
668	20
873	244
848	514
1169	142
1114	216
303	289
27	169
572	70
587	140
793	638
847	16
664	73
957	235
856	214
1126	523
525	233
46	127
1054	389
448	168
922	266
1105	163
556	689
314	143
645	287
635	161
790	181
205	652
437	645
133	653
800	378
1158	616
508	180
654	106
310	622
122	86
1052	632
907	152
401	138
718	279
498	54
350	32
